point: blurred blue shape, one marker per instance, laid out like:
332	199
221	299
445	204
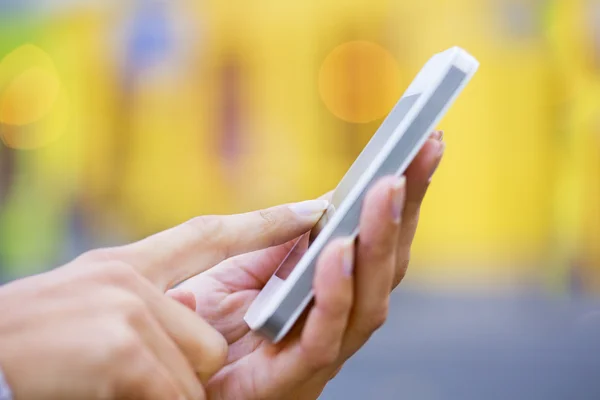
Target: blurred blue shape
11	6
150	37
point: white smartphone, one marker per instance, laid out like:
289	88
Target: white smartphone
393	147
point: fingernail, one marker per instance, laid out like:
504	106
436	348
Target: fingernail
441	150
398	194
437	135
442	147
310	208
348	257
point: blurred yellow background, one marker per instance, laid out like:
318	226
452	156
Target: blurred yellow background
119	119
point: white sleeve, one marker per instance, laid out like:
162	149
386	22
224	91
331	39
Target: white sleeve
5	393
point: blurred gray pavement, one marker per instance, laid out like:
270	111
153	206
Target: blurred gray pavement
478	347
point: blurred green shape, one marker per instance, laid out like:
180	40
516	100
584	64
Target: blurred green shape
16	30
32	227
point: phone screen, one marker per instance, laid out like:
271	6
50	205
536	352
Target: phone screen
366	157
369	153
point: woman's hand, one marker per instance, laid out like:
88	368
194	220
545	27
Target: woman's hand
352	290
102	328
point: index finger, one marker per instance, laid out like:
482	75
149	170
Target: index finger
170	257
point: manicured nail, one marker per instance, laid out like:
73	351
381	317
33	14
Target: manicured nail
437	135
310	208
348	257
398	194
441	150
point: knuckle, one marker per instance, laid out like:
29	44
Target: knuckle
322	356
98	256
376	249
107	266
338	305
121	274
211	354
373	321
205	225
116	353
135	311
378	318
269	219
401	269
207	229
126	346
328	357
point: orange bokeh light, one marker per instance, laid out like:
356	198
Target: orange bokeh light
360	81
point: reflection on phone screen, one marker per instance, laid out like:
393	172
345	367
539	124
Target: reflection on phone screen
292	258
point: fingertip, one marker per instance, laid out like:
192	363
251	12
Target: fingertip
437	135
215	356
426	162
311	209
327	196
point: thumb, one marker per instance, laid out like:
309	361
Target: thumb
170	257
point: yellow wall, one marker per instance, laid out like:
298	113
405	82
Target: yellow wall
517	196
